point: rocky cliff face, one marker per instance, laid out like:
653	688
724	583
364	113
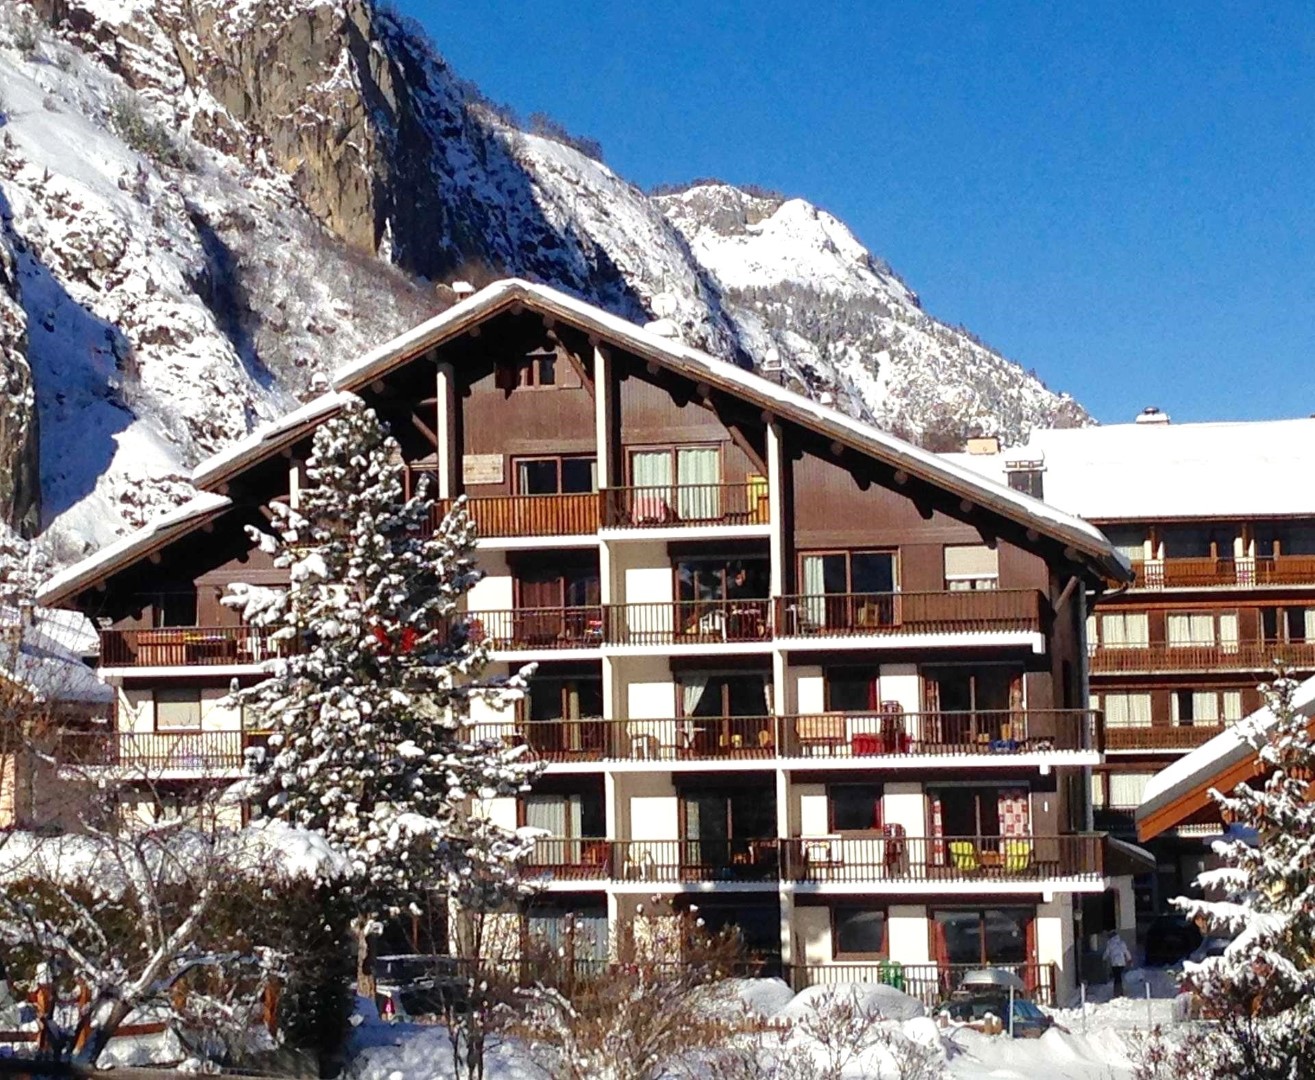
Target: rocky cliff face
206	202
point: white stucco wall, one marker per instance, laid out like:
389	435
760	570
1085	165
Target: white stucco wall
805	690
812	934
900	682
1054	941
808	810
646	807
907	935
495	591
904	804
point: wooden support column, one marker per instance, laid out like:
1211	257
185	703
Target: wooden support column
776	479
449	453
605	418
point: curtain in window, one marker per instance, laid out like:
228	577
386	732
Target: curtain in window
691	693
1137	630
1127	789
1308	619
1228	637
1112	631
1091	630
1139	710
1205	707
650	474
697	474
815	589
1013	811
937	819
1232	702
1187	629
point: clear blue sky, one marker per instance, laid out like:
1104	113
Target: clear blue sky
1116	194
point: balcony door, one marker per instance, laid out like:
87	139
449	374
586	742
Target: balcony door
849	589
725	715
968	704
558	605
983	936
729	832
676	484
563	717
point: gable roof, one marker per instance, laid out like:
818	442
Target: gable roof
1168	470
1182	788
271	438
203	507
965	482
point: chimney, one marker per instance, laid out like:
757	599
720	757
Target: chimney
984	445
463	289
1152	415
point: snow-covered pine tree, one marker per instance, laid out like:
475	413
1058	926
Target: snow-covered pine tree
369	704
1262	989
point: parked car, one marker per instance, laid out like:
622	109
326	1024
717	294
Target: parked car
986	993
1171	938
416	985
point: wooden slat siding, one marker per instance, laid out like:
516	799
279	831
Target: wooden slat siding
1160	736
154	751
929	983
575	514
1286	570
1205	572
871	734
188	646
745	503
863	860
693	622
944	612
1246	656
826	860
522	629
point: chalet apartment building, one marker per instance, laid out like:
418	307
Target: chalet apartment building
1218	522
826	686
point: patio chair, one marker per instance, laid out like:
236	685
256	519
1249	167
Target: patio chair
1017	855
963	856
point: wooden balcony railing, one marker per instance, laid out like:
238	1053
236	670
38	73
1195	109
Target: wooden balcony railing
1017	731
690	622
949	612
188	646
1206	572
1160	736
816	735
153	752
850	859
539	628
662	506
574	514
825	860
1240	656
929	983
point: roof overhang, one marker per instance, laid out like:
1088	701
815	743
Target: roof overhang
192	515
1181	791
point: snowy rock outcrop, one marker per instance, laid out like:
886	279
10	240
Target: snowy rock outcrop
206	203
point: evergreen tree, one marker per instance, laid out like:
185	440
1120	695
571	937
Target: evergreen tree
369	704
1261	988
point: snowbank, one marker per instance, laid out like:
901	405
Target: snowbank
889	1003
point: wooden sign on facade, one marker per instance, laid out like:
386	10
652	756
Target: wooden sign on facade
481	469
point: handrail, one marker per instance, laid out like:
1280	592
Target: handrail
1238	656
568	514
189	646
946	611
656	506
154	751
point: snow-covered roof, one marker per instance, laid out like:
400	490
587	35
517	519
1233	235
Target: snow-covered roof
44	654
1168	470
1198	770
965	481
194	513
266	439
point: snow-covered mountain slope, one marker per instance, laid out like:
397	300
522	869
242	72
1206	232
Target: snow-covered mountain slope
797	282
206	202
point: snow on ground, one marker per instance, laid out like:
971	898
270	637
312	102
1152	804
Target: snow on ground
1090	1044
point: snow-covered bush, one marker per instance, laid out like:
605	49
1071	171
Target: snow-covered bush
146	136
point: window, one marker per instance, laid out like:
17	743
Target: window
1205	707
174	608
1188	628
1130	540
568	928
571	817
1124	709
1028	481
989	688
854	807
682	483
848	588
990	936
979	811
722	578
1119	791
971	566
537	369
1197	541
1275	539
851	690
858	932
177	709
1287	624
556	475
1124	630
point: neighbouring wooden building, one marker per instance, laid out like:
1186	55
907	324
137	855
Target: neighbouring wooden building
827	685
1219	526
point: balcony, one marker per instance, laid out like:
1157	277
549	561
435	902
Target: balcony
941	734
156	752
526	629
670	505
892	859
930	983
882	614
1160	736
691	622
516	516
1205	572
189	646
1240	656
